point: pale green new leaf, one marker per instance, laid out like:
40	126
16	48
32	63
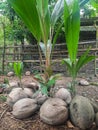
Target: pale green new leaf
28	12
44	16
83	2
59	8
72	27
57	11
49	47
43	48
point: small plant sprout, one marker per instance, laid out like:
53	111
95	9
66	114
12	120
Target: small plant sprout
10	65
18	69
45	83
6	81
3	98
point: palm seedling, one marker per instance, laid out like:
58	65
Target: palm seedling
18	69
37	17
72	29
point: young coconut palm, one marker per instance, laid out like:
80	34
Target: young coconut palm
37	17
72	29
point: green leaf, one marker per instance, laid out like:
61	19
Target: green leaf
3	98
83	2
44	89
59	8
10	65
18	68
42	6
56	35
38	77
94	3
84	59
74	68
6	81
68	63
44	17
56	76
28	12
15	68
50	83
72	27
57	11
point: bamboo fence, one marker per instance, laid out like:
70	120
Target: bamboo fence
28	54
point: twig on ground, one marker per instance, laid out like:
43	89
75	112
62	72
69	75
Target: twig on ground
94	83
3	113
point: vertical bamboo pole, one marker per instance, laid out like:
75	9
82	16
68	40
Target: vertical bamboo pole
41	59
95	66
4	46
22	51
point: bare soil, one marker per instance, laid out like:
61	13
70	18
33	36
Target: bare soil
8	122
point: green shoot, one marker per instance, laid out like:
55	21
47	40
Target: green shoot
18	69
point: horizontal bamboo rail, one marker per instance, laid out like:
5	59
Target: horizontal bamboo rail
55	52
17	53
19	46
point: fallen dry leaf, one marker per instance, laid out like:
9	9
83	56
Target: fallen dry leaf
69	125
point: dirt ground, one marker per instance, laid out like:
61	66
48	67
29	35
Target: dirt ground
8	122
